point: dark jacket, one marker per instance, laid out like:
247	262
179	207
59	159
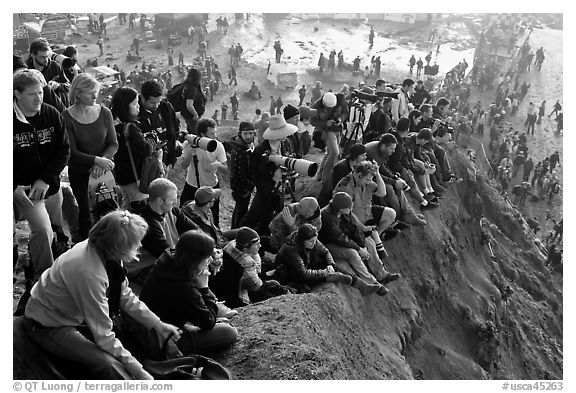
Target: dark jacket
419	96
206	225
332	233
341	169
155	240
240	179
373	153
51	71
261	169
40	150
403	157
340	111
51	98
301	265
171	294
140	148
163	117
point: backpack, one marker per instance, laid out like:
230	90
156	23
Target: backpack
176	97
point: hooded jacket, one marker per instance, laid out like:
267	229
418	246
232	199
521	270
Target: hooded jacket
171	293
240	180
41	149
308	266
336	229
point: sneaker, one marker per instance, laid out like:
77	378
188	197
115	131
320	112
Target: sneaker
364	288
389	278
430	205
225	312
382	291
454	179
438	195
421	216
431	198
400	225
339	277
389	234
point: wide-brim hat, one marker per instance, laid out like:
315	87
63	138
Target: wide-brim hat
278	128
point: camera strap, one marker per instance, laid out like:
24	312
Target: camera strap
136	177
195	161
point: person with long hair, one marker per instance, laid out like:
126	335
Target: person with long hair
93	142
306	260
177	290
72	309
414	117
195	99
125	108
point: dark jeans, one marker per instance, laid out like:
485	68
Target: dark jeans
196	341
241	207
261	212
188	195
79	185
72	343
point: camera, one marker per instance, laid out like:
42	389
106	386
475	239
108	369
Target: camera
300	165
153	136
201	142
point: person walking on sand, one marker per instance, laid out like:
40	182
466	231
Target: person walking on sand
100	46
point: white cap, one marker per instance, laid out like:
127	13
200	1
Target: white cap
329	100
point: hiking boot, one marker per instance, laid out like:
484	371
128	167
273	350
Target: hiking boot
339	277
401	225
430	205
224	311
364	288
389	278
389	234
382	291
431	198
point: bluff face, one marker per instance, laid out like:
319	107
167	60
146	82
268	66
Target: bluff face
457	312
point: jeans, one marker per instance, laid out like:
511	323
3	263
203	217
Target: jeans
348	261
196	341
332	140
241	207
188	193
70	211
41	217
79	185
69	343
262	210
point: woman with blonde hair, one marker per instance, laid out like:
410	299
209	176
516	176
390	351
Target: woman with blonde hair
93	143
87	287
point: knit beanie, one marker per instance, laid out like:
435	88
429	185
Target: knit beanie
341	200
290	111
246	237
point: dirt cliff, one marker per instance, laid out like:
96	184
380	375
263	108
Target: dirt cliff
457	313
